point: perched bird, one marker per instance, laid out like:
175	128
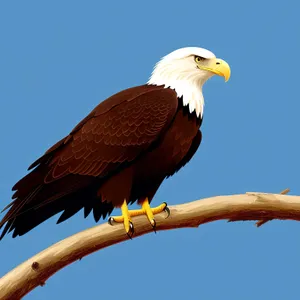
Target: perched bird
122	151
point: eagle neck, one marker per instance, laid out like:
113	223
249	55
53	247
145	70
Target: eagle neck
189	90
186	110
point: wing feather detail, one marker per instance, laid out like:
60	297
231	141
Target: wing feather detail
111	139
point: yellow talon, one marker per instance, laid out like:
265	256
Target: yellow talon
126	215
145	210
148	211
125	219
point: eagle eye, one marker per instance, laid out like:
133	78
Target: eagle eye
199	58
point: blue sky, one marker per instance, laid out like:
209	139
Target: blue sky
59	59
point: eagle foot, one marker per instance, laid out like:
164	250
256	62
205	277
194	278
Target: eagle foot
145	210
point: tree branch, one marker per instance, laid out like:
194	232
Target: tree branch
250	206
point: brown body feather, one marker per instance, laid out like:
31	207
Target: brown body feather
123	149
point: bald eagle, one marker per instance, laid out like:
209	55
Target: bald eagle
122	151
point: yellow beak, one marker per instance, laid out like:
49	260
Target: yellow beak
217	66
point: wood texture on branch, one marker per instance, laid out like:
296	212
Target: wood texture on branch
250	206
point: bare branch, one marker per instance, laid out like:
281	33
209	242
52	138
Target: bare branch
262	222
250	206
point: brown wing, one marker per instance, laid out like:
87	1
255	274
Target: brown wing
114	134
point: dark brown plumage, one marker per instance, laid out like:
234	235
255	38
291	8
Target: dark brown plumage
123	149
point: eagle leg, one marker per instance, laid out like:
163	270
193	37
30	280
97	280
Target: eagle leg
145	210
125	219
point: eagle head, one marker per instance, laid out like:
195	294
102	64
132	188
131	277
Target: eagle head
186	70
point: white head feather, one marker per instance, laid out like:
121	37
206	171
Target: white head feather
178	71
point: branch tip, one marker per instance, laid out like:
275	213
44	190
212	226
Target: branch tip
284	192
261	222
